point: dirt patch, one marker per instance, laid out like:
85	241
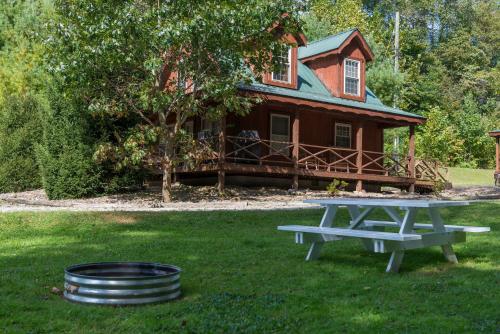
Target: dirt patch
119	218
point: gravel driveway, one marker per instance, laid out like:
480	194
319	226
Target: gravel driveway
206	199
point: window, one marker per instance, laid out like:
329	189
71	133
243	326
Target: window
343	135
280	134
208	129
284	65
351	77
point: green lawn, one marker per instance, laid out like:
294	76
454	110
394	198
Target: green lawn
460	177
242	276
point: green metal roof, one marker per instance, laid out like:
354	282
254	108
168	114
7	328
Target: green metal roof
326	44
310	87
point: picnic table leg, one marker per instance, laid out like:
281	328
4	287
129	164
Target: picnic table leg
406	227
395	261
354	212
326	221
438	224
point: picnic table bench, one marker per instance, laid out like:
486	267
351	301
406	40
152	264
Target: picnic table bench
372	232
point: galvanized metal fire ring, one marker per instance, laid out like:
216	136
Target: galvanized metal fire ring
122	283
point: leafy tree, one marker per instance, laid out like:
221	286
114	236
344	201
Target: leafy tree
20	52
327	17
478	148
380	75
122	57
439	140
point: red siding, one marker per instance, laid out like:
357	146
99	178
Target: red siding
330	70
316	127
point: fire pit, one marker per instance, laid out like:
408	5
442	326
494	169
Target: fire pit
121	283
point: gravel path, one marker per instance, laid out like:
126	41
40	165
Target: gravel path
206	199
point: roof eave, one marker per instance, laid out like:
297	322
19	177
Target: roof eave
416	120
355	33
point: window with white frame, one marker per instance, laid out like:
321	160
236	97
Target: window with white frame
343	135
351	77
283	73
280	134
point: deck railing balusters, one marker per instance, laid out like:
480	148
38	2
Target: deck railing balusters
313	157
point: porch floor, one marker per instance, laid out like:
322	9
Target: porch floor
303	173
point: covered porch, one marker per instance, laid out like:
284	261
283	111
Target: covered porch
230	153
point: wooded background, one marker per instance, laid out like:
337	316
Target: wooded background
448	72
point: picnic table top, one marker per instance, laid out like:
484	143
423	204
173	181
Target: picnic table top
412	203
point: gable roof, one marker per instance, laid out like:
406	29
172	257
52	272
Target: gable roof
333	43
325	44
310	87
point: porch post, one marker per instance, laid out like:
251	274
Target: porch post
411	156
295	151
359	157
222	155
498	154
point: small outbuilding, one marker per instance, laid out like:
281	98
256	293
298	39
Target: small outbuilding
496	134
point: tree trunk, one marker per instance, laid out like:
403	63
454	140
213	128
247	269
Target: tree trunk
167	168
166	189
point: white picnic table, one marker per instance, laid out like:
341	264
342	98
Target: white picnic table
371	232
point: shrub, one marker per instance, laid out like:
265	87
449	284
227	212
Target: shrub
65	152
19	132
439	187
336	186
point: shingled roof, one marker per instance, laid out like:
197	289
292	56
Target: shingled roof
329	43
311	88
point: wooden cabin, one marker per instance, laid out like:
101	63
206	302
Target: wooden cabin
496	134
318	122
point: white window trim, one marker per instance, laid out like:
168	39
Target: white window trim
289	69
277	150
350	133
359	76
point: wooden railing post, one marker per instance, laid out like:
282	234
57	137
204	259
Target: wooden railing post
498	155
359	157
222	155
411	157
295	151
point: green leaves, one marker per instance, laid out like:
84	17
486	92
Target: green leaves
140	66
448	67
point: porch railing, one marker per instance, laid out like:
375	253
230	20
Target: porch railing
314	157
330	159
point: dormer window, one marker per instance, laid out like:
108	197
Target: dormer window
351	77
283	74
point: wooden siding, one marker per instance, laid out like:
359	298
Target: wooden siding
330	70
327	70
316	128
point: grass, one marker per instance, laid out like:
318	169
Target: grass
460	177
242	276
